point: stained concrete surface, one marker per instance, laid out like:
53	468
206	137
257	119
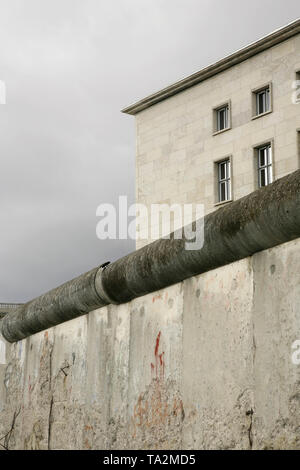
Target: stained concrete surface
203	364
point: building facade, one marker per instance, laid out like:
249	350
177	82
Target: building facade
223	132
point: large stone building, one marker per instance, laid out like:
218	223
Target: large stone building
222	132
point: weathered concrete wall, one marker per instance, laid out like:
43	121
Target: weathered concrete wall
203	364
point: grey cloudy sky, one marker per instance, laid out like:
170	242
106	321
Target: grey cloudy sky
69	67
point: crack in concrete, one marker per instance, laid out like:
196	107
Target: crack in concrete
250	434
52	399
7	436
50	422
63	369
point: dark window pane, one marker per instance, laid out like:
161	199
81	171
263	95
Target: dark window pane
222	171
263	181
222	191
260	103
262	159
263	101
222	119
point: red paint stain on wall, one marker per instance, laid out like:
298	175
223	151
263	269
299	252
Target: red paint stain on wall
156	297
157	344
159	366
156	409
157	406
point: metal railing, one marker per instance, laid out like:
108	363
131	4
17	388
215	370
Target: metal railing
2	306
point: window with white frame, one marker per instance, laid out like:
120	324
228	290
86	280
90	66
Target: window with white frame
263	101
265	171
224	181
222	118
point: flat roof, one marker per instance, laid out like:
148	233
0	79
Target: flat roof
237	57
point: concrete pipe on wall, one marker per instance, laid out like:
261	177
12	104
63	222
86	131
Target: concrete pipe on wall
261	220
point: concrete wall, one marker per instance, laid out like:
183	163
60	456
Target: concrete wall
202	364
176	148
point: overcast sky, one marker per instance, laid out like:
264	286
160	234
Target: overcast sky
69	67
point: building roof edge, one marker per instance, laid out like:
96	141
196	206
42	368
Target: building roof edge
237	57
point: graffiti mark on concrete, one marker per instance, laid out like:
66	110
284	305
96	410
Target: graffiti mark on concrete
158	368
160	406
156	297
155	409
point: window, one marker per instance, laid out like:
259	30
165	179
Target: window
262	101
224	181
221	118
265	173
